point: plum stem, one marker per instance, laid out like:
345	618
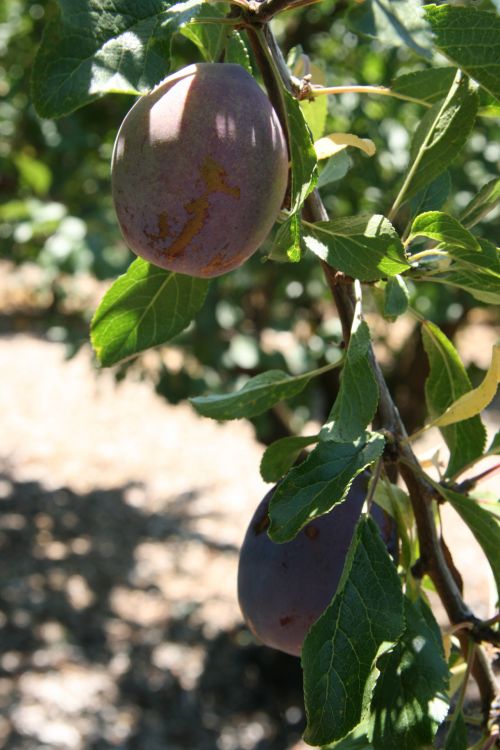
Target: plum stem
421	492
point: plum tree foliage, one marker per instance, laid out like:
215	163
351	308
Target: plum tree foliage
206	162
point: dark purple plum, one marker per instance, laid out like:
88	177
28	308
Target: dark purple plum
284	588
199	170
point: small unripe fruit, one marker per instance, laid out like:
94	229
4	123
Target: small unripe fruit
284	588
199	170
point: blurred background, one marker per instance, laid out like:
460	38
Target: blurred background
121	510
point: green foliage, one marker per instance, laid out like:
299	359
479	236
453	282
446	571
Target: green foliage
104	46
357	399
396	297
409	701
448	381
280	456
256	396
320	482
365	247
441	135
470	38
145	307
340	652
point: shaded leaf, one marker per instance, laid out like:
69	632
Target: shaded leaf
481	284
340	651
470	38
320	482
456	739
485	201
145	307
396	297
432	197
394	22
282	454
364	247
409	700
446	382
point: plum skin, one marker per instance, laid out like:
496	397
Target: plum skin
284	588
199	170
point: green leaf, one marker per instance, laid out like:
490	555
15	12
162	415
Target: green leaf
335	168
459	243
145	307
495	444
282	454
428	86
394	23
103	46
304	162
396	297
485	201
409	700
481	284
443	228
446	382
432	197
212	39
315	113
257	395
338	657
320	482
484	525
456	739
357	398
364	247
288	241
442	133
469	38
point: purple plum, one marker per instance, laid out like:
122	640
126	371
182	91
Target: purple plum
200	170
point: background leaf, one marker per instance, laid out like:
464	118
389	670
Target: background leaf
447	381
470	38
145	307
433	195
364	247
320	482
339	652
409	700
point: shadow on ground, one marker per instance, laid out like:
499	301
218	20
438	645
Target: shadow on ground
95	656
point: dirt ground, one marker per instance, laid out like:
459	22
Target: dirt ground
120	526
